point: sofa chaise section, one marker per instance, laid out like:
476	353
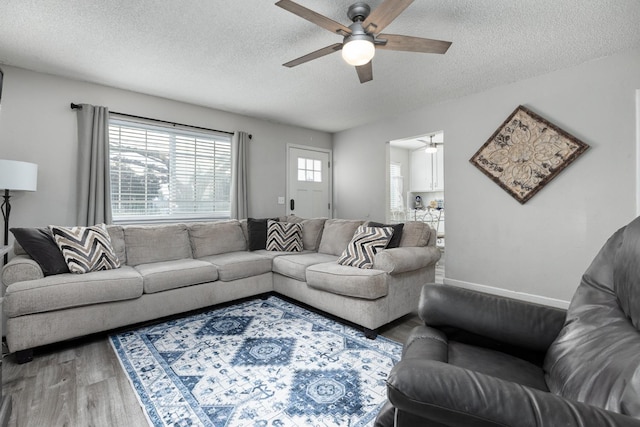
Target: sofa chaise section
373	297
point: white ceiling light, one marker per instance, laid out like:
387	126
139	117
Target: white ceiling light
432	147
358	51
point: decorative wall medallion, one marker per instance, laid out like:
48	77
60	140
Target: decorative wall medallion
525	153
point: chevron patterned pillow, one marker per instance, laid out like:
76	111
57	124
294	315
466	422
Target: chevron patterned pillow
284	236
366	242
85	249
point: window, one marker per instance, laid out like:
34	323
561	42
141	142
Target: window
309	170
396	201
164	172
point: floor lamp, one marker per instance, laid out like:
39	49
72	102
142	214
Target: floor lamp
15	176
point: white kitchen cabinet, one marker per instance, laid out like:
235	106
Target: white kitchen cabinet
419	181
427	171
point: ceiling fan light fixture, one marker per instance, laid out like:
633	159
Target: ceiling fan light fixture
358	50
432	148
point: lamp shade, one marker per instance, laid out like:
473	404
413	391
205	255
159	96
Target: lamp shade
21	176
358	51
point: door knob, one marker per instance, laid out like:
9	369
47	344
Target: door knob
292	204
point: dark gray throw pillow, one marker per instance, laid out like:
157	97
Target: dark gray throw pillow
397	233
257	230
39	244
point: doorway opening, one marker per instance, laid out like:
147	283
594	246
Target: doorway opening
415	181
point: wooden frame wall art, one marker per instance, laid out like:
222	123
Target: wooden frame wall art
525	153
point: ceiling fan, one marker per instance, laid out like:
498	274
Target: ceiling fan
430	146
363	36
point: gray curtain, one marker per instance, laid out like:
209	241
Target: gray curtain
239	147
94	184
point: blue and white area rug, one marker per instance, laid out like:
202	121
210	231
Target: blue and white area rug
257	363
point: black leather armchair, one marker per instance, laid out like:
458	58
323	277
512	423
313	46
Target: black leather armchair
485	360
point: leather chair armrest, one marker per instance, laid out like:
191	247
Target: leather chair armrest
519	323
454	396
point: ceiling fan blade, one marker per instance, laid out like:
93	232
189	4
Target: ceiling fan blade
314	17
365	72
314	55
384	14
412	44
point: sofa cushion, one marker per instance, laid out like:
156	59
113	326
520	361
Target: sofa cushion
85	249
284	236
295	266
165	275
116	233
276	254
39	244
349	281
245	230
415	233
238	265
215	238
336	235
364	245
311	231
72	290
147	244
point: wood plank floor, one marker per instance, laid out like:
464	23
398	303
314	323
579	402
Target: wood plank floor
81	383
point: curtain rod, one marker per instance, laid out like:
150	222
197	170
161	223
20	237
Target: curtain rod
79	107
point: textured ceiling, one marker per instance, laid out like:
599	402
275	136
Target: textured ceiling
228	54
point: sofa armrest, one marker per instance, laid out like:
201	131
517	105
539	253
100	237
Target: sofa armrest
454	396
19	269
519	323
408	258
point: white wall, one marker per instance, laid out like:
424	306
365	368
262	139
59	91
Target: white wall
539	249
37	125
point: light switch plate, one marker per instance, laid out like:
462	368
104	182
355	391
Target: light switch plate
281	200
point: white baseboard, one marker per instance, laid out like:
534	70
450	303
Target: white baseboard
553	302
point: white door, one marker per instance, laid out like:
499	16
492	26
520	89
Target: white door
308	182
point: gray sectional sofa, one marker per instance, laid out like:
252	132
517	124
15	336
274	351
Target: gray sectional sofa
171	269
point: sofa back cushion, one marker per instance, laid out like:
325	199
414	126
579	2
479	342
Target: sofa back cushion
213	238
116	233
311	231
336	235
156	243
596	357
417	234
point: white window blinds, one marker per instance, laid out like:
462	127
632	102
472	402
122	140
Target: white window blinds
163	172
396	201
